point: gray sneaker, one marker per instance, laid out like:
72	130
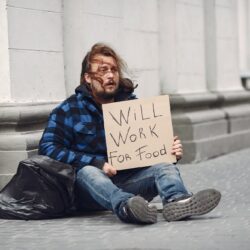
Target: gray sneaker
198	204
138	210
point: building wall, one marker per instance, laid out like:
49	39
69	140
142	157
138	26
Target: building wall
130	26
195	50
31	76
182	47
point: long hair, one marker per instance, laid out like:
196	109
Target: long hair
125	84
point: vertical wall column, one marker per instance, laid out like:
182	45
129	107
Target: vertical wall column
4	55
222	55
31	76
182	52
140	44
244	41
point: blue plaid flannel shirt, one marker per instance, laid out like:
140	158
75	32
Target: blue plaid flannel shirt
75	131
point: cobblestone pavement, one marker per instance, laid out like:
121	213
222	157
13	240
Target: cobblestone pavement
227	227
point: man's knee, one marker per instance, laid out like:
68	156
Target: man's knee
166	168
89	171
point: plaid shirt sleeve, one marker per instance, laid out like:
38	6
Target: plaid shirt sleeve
57	138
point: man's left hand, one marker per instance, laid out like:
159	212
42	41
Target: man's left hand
177	148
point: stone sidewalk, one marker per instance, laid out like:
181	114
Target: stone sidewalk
227	227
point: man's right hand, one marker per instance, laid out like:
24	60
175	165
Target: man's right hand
109	170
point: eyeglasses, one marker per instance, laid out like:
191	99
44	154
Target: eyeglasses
104	70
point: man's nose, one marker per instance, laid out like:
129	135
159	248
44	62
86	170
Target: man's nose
110	73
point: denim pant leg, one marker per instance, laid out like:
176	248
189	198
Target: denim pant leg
169	182
163	179
139	181
91	181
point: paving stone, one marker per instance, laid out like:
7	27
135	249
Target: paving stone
227	227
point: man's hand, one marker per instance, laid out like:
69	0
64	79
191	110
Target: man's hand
177	148
109	170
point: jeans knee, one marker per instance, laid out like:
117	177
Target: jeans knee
165	168
89	171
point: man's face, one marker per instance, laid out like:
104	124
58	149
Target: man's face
103	77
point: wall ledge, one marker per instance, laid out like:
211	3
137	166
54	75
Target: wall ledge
28	113
208	99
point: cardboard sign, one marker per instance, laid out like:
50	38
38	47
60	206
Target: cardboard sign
138	133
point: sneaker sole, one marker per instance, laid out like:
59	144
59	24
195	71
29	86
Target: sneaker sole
199	204
142	211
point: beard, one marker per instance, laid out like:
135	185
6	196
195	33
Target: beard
100	91
106	95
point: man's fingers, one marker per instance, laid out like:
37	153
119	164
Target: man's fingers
177	149
177	152
113	171
109	170
176	137
110	173
177	146
177	142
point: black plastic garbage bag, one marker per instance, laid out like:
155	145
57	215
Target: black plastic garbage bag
42	188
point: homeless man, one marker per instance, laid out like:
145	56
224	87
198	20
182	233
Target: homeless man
75	135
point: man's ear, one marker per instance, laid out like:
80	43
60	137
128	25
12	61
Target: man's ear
87	78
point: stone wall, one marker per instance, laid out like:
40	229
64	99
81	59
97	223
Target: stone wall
31	76
195	50
131	27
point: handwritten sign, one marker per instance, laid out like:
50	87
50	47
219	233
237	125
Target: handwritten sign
138	133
